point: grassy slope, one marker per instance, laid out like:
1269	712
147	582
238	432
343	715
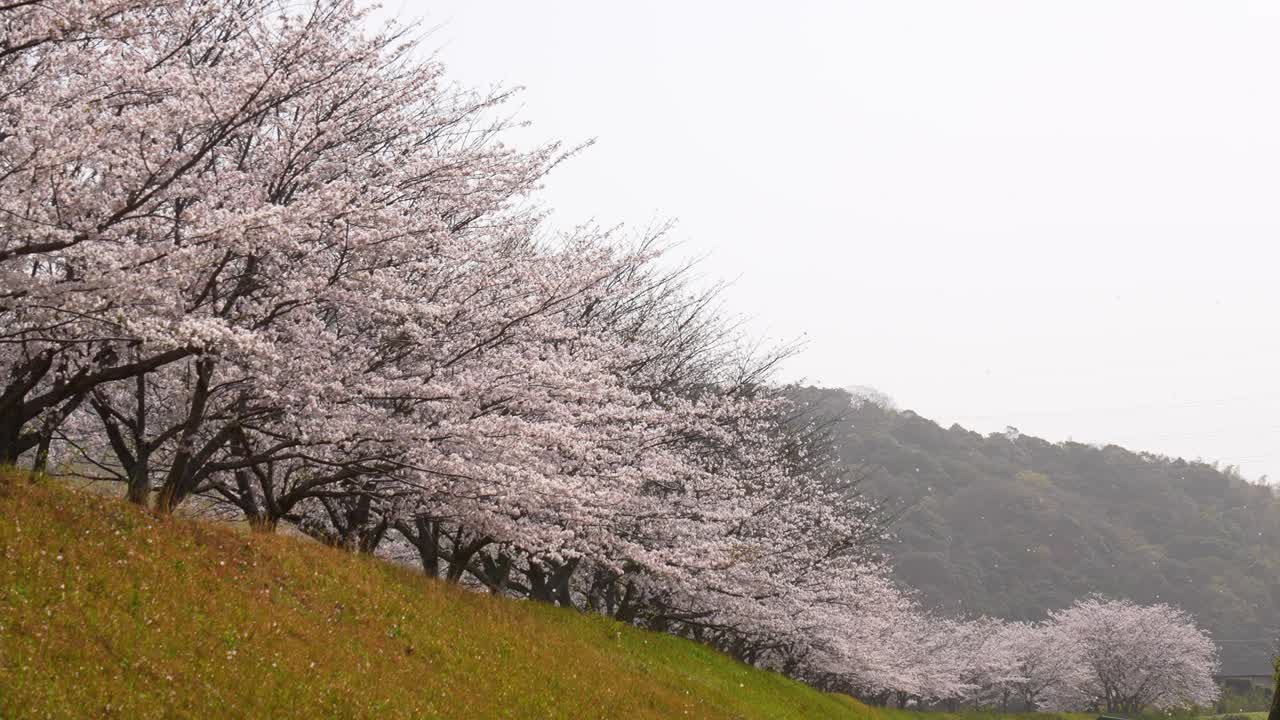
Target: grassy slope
108	611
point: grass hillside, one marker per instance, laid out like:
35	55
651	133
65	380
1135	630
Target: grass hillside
109	611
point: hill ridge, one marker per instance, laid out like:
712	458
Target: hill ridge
1014	525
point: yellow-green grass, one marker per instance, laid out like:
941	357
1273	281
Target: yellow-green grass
109	611
876	713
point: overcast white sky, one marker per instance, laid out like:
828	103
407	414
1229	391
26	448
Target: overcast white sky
1061	216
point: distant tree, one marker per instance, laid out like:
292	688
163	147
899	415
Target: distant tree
1044	658
867	395
1133	657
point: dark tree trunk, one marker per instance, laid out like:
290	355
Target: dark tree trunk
259	519
424	535
262	515
1275	696
140	470
9	431
139	489
497	572
549	583
563	596
371	538
628	607
263	523
178	484
539	587
133	454
790	664
44	436
40	463
23	378
463	552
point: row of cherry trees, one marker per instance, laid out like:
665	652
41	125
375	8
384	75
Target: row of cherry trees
1098	655
256	257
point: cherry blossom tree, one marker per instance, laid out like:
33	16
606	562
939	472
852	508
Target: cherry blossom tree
222	177
1134	656
1045	657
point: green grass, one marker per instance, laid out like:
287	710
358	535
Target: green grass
895	714
109	611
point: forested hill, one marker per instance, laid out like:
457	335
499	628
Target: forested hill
1013	525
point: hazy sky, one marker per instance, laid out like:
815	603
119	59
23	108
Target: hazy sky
1061	216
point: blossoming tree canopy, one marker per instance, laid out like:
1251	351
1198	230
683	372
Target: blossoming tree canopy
1132	656
255	252
209	178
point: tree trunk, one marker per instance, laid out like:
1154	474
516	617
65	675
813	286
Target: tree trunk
539	587
177	482
139	491
1275	696
23	377
9	452
497	572
628	606
424	535
41	461
44	438
460	558
139	488
562	594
